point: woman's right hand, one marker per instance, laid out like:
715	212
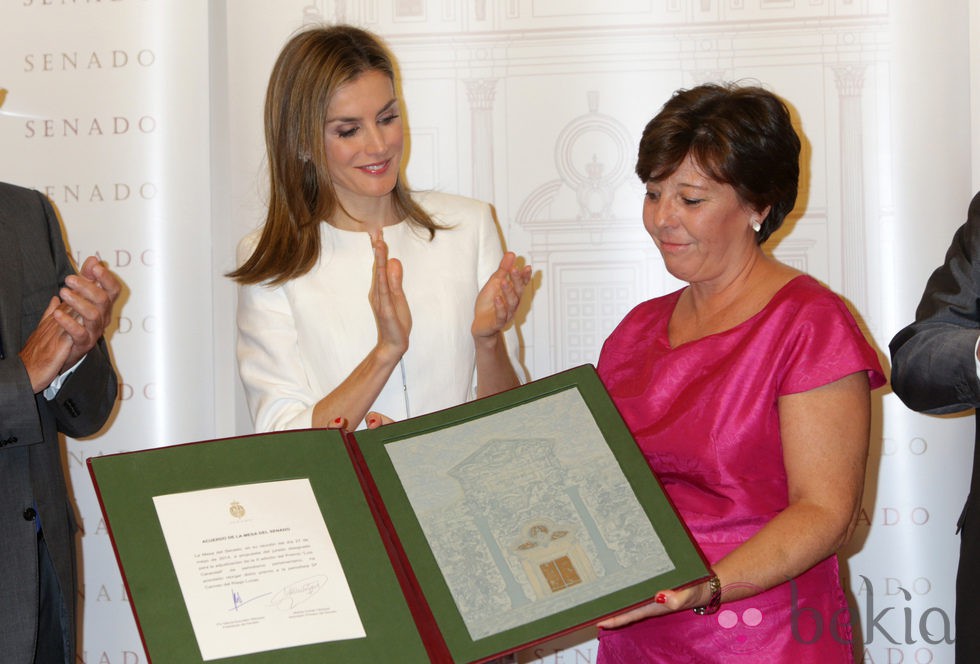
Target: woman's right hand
351	399
391	312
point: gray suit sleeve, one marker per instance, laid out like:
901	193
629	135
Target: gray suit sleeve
18	411
86	398
933	359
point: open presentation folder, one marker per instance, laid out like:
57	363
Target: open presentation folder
456	536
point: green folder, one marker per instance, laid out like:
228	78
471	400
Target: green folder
463	535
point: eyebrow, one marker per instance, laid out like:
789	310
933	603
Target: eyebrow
384	108
690	185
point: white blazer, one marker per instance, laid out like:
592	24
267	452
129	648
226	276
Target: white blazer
299	340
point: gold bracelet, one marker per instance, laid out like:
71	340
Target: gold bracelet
714	603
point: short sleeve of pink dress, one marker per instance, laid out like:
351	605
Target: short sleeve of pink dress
705	415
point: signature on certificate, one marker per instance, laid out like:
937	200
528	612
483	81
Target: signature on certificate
297	593
239	602
287	598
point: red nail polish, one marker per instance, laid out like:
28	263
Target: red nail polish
371	421
660	598
339	420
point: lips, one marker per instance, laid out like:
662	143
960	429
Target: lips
375	169
671	247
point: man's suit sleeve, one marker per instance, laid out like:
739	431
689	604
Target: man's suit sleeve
85	400
18	410
934	358
87	396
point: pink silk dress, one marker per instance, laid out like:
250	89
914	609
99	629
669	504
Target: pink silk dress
705	415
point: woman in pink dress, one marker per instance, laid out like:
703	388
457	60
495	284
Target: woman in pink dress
748	391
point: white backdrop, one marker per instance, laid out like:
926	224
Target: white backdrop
141	119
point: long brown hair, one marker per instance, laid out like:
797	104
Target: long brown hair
313	64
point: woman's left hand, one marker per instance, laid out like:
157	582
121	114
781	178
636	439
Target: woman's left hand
665	601
374	419
500	296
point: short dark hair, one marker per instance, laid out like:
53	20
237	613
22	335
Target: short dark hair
738	135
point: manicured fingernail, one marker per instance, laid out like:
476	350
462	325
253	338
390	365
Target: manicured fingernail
339	420
372	421
660	598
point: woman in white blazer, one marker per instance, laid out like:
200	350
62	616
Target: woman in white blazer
360	301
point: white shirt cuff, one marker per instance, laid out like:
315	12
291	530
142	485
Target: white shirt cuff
51	390
976	360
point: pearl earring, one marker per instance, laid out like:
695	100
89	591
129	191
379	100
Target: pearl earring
756	226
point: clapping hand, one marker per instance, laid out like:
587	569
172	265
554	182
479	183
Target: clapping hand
391	312
72	324
498	300
89	296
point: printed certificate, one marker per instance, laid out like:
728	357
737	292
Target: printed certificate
257	568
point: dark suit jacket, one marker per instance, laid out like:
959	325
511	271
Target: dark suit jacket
934	371
33	263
